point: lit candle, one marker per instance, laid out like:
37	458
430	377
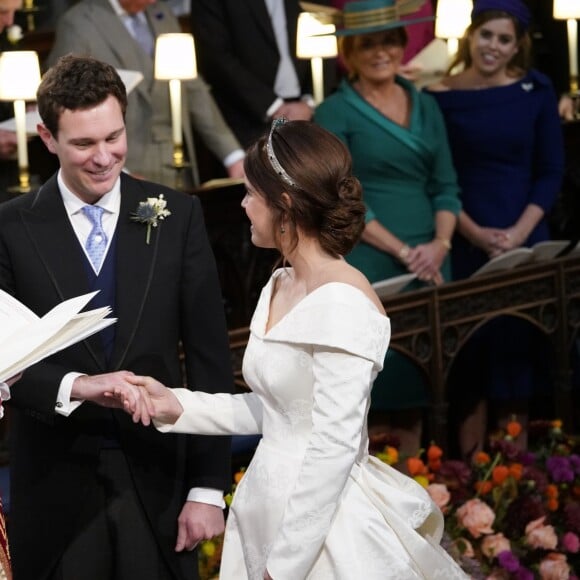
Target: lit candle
175	97
20	118
573	50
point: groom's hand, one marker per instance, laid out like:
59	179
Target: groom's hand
197	522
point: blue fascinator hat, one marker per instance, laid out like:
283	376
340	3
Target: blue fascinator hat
515	8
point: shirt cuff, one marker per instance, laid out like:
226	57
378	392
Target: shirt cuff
64	406
274	107
309	100
233	157
207	495
4	396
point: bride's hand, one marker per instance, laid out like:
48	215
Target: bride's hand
162	404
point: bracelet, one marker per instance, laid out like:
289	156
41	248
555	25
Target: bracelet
404	253
446	243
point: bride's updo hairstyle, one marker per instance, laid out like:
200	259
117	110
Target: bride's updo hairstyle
313	167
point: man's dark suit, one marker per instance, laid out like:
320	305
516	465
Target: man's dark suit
238	56
166	291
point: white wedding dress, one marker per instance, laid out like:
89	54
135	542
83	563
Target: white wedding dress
313	504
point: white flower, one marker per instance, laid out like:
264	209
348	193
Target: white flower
14	33
150	212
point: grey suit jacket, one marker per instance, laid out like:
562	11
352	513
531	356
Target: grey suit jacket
91	27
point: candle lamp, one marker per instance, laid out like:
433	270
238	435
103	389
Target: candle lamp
569	10
175	61
451	20
19	80
315	41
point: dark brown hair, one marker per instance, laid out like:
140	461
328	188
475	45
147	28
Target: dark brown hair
77	82
326	200
347	46
521	61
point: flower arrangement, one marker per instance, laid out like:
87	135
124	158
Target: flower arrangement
511	514
150	212
210	551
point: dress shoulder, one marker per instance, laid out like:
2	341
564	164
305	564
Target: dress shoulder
336	315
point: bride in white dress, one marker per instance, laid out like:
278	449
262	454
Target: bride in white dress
313	504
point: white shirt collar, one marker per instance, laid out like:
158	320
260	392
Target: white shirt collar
110	202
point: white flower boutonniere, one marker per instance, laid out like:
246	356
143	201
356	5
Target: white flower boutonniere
150	212
14	33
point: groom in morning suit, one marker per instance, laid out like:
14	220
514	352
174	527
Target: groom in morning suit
95	496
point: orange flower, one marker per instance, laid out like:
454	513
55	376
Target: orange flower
482	458
238	475
551	491
483	487
499	474
434	464
434	452
516	470
392	453
552	504
513	428
557	424
415	466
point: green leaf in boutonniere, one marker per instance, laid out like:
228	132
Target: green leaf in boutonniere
150	212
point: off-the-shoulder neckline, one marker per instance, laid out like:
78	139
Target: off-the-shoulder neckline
307	298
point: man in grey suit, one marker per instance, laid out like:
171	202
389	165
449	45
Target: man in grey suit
110	30
93	495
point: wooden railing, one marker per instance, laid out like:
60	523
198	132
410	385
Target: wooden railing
430	326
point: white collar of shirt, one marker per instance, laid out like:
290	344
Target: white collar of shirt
126	17
110	202
119	10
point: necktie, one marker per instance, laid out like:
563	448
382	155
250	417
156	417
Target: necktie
142	33
96	243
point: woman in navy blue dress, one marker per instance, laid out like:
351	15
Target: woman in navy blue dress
506	141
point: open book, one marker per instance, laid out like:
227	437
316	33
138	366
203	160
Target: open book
385	288
26	339
130	78
540	252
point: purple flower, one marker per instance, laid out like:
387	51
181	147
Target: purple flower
572	516
575	462
508	561
524	574
560	469
527	458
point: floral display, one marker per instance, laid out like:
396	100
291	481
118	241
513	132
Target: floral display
511	514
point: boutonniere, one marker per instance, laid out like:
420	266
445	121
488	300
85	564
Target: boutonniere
150	212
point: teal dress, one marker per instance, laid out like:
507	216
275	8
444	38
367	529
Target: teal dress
407	176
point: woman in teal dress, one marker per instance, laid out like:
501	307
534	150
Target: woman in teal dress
398	143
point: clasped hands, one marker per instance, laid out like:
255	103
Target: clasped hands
425	260
144	398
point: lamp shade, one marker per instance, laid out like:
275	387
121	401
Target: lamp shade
175	57
452	18
19	75
310	43
566	9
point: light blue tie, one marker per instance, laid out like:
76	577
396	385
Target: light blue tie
96	243
142	33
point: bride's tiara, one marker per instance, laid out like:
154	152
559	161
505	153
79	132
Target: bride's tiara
276	166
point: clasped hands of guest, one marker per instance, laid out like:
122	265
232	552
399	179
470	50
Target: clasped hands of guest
494	241
425	261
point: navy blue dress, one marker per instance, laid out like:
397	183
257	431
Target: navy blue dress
507	147
508	152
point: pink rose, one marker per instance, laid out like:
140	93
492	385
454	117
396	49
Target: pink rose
492	545
540	536
570	542
439	494
554	567
476	516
